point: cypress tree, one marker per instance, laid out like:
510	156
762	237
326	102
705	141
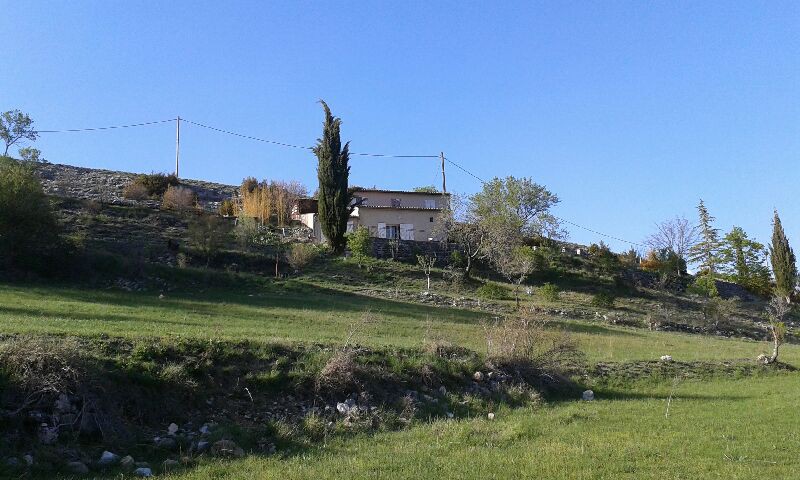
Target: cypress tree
783	260
706	252
333	171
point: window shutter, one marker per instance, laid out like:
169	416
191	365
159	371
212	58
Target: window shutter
406	231
381	230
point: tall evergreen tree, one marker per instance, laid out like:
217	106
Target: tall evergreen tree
783	261
705	253
333	171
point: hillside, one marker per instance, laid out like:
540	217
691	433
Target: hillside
182	362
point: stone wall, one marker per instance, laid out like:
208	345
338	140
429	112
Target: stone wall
408	250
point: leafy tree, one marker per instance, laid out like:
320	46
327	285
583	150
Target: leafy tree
665	263
15	126
783	261
29	232
706	251
519	204
30	154
334	197
603	258
744	261
426	189
676	234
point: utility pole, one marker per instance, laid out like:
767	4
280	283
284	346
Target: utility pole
177	145
444	180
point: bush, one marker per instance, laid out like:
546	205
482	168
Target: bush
704	285
135	191
157	183
29	232
528	339
178	198
227	209
360	244
603	300
548	292
492	291
207	234
300	255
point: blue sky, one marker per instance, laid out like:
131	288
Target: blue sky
629	111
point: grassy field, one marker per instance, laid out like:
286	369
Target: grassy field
294	311
733	429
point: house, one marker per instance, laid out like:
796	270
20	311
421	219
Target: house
385	213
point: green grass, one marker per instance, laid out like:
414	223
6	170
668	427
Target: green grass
732	429
293	311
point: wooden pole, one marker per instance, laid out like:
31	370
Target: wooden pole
177	146
444	180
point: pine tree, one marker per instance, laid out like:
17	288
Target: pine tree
333	171
783	261
706	252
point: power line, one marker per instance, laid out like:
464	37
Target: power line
70	130
283	144
557	217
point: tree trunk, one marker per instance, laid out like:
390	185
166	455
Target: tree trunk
468	269
429	282
775	346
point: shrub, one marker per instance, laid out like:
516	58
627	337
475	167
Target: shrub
603	300
207	234
300	255
135	191
178	198
548	292
227	208
492	291
157	183
717	312
29	232
526	338
704	285
360	244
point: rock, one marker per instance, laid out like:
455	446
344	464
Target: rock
226	448
205	430
170	464
442	391
477	376
202	446
762	359
78	468
108	459
588	395
450	415
127	462
48	435
172	429
28	460
12	462
490	416
143	472
666	358
343	408
166	443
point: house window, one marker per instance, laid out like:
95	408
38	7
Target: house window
350	227
393	231
430	203
431	219
395	202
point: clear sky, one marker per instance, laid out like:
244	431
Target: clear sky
629	111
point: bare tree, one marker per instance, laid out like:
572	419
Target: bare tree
427	262
677	235
776	312
459	224
515	264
